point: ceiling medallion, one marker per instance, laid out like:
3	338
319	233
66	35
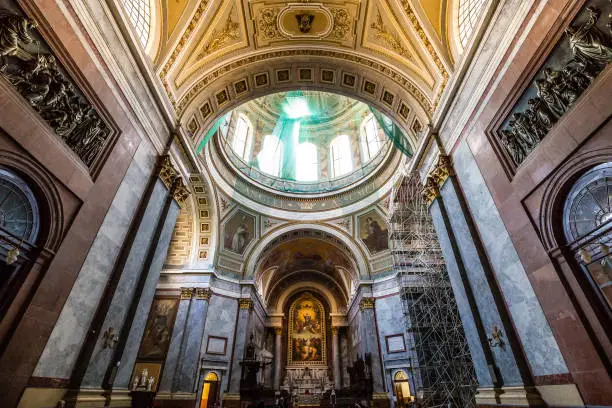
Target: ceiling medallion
306	20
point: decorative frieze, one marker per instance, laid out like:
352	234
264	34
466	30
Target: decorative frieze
366	303
246	304
30	67
568	71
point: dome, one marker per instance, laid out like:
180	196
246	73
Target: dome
305	142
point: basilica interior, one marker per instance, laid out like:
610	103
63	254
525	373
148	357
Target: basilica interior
257	203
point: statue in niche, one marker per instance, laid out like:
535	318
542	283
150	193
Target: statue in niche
587	43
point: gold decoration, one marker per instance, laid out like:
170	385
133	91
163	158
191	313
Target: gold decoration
442	170
229	32
366	303
246	304
186	293
391	39
342	23
334	331
278	331
430	191
267	24
203	293
180	192
167	172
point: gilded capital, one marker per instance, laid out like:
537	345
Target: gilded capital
186	293
245	303
334	330
179	191
430	190
442	170
366	303
203	293
278	331
167	172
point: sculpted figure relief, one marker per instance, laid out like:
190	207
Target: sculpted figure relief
557	90
42	83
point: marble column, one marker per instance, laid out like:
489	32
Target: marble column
242	326
176	341
370	342
336	358
147	292
278	359
186	379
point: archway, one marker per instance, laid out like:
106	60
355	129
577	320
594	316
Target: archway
210	391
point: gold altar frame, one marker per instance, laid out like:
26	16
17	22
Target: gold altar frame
323	362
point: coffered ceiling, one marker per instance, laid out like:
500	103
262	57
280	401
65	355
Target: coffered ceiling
208	46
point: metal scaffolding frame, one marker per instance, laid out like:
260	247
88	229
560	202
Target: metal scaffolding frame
441	365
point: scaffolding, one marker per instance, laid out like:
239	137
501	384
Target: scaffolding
441	368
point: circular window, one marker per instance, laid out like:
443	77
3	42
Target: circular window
18	208
589	203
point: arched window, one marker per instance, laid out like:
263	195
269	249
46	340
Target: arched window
370	143
307	162
271	155
210	390
243	137
139	12
587	219
341	159
469	12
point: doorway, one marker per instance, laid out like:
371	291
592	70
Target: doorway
210	391
402	389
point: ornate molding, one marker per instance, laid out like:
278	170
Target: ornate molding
186	293
29	66
430	190
385	70
246	304
203	293
366	303
231	31
389	38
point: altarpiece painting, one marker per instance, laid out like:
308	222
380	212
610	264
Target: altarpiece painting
307	345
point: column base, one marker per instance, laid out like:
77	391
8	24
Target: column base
380	400
509	397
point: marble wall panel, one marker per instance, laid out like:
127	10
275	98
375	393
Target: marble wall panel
63	346
536	336
220	322
465	311
176	340
186	377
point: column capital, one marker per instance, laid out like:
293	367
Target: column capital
203	293
278	331
442	170
245	303
180	191
430	190
186	293
366	303
167	173
334	330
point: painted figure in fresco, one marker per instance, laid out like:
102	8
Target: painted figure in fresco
377	238
240	238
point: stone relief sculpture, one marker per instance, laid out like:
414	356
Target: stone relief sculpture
40	80
557	90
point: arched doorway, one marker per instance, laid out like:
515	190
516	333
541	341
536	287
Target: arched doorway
402	389
210	390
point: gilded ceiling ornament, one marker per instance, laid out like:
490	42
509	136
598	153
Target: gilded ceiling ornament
389	38
304	22
342	23
268	25
231	31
